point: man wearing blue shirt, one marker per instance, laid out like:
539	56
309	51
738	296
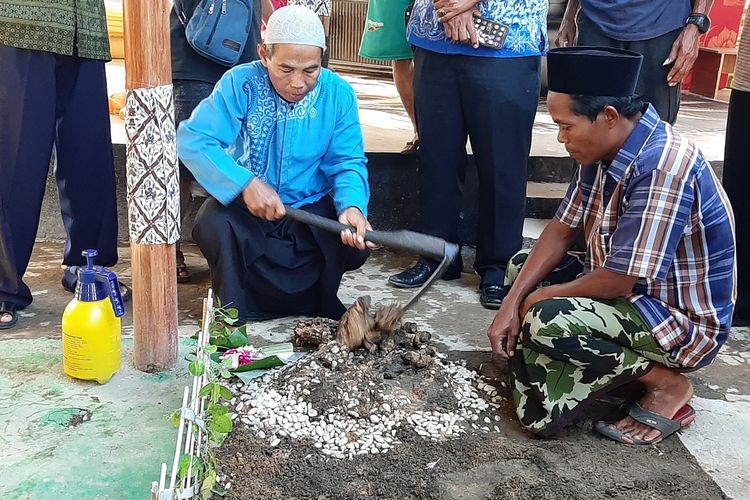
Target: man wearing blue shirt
490	95
279	131
666	33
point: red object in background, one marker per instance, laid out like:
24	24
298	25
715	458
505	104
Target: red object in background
725	24
277	4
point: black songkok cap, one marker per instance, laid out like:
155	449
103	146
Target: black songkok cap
593	71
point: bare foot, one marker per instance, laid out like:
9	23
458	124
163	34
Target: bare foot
667	391
5	318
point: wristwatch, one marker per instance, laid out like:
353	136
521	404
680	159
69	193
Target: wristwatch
701	21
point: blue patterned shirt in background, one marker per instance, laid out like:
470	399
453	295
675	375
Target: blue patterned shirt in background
659	213
527	20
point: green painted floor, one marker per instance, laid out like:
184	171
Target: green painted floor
119	437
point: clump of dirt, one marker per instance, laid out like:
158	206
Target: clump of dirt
314	331
405	421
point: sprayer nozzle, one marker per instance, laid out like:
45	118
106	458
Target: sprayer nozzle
90	253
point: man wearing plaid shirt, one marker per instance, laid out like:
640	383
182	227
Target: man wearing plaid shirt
655	293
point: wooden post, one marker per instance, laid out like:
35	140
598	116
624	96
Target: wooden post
153	183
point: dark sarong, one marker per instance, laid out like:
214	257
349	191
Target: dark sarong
273	269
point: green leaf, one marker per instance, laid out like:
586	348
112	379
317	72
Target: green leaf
196	368
210	349
206	389
233	313
261	364
217	437
215	391
175	417
184	463
225	393
198	468
216	409
275	349
221	423
225	374
237	339
208	485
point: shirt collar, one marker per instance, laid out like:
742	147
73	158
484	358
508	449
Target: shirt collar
634	143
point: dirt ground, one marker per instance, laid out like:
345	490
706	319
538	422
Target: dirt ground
503	464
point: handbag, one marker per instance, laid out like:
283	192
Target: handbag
218	29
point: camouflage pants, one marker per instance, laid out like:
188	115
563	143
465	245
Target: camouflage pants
572	349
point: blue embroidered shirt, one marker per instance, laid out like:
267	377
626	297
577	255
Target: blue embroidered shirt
527	36
303	150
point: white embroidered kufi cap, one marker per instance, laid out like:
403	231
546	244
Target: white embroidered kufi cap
296	25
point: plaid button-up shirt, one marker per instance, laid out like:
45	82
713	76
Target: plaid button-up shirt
659	213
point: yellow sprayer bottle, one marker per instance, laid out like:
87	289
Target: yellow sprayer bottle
91	327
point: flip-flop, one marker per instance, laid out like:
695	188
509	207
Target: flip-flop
70	280
8	308
666	426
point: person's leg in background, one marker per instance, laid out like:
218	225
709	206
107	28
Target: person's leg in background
442	155
403	77
500	97
187	95
27	101
735	179
85	169
652	82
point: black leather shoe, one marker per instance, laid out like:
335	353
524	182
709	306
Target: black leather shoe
491	296
420	272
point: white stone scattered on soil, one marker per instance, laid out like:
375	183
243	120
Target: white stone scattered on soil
364	423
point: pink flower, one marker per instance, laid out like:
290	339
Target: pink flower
242	356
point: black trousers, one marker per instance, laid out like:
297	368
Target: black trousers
652	82
272	269
48	99
492	101
736	178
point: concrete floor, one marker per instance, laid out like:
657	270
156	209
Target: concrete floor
119	451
